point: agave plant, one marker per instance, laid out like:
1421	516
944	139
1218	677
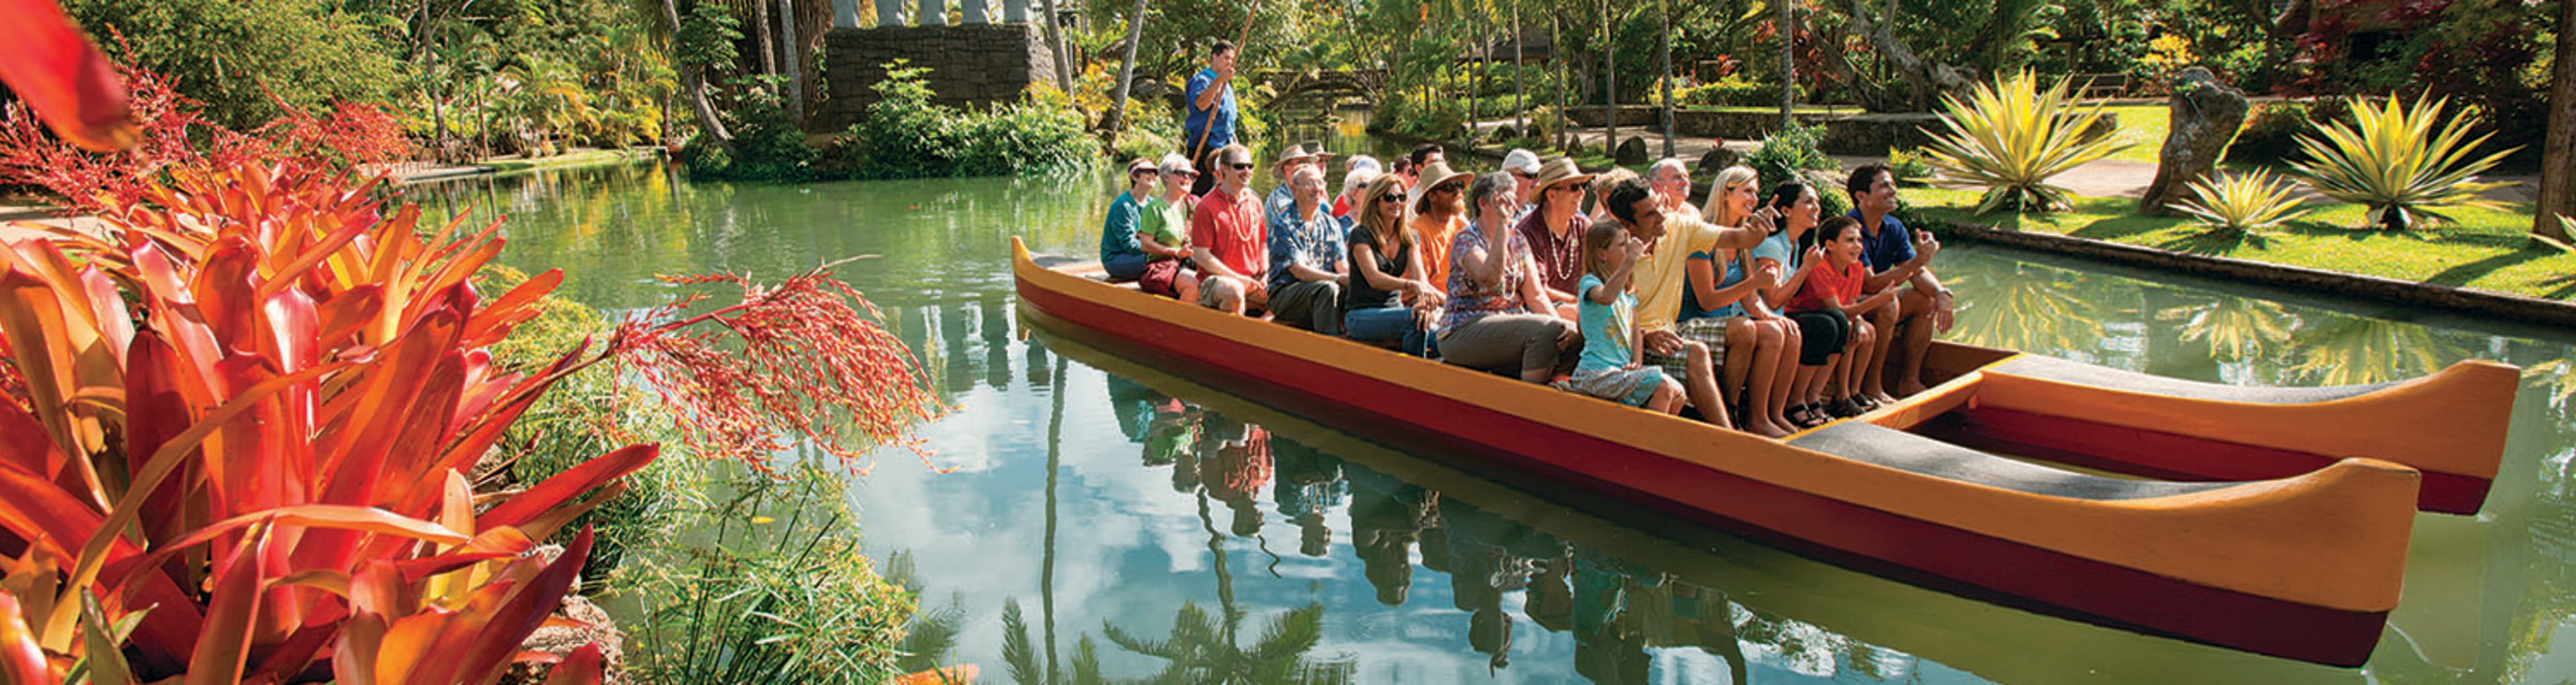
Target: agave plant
2011	137
2241	203
2399	160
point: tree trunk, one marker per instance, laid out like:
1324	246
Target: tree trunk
1924	81
1564	74
768	46
2557	180
1126	70
1664	15
1610	85
1055	41
1785	26
1520	89
696	81
788	49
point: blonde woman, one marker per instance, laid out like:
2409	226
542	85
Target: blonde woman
1390	298
1723	309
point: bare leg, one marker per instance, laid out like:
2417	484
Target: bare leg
1667	399
1760	416
1856	367
1225	294
1802	385
1739	361
1786	376
1186	286
1872	366
1917	321
1703	388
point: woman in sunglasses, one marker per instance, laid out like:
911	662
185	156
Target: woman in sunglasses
1165	233
1390	298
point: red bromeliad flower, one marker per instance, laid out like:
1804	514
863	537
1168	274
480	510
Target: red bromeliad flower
64	77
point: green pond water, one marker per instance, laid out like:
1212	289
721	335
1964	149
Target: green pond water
1106	496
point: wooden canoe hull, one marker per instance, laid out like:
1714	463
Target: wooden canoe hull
2305	567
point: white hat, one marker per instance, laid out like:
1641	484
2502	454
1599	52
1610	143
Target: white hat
1521	160
1358	162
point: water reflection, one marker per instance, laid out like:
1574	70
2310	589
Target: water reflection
1091	516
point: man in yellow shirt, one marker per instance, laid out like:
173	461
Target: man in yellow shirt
1662	273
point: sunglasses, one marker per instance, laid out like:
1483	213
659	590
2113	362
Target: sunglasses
1524	175
1391	197
1183	174
1241	167
1445	189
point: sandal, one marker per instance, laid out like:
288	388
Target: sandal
1845	408
1807	416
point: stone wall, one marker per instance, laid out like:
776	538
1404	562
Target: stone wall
970	64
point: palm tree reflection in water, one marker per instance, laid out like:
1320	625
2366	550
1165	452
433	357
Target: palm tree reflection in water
2030	307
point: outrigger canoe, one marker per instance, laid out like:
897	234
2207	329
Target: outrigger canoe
2304	566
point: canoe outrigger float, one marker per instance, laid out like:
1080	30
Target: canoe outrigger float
2266	546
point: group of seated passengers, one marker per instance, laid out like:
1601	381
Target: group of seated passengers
1790	317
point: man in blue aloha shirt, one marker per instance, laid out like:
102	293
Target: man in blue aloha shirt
1207	123
1307	260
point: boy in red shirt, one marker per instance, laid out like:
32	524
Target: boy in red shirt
1836	285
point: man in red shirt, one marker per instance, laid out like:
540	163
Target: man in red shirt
1227	239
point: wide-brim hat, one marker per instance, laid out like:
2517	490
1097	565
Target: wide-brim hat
1560	170
1432	176
1315	148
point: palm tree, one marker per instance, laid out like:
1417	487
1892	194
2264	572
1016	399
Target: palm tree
1126	69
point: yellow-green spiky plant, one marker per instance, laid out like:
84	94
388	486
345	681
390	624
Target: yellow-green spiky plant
2241	203
2398	160
2011	137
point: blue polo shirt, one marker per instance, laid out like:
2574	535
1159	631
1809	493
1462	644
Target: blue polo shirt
1197	120
1886	247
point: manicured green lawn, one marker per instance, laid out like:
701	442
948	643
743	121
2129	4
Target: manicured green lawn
2144	125
2486	249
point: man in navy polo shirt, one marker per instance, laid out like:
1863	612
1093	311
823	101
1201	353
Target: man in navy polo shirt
1897	256
1207	122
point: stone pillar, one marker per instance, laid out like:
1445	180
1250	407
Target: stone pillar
976	11
889	13
933	13
2204	115
845	14
1015	11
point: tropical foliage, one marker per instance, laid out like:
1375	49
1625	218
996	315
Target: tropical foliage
2238	204
2012	137
2399	160
264	387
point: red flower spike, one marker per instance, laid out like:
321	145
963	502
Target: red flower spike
69	83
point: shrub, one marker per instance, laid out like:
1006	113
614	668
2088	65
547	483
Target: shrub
767	143
1910	168
2012	137
2395	161
2272	129
1732	91
906	135
1792	149
2239	204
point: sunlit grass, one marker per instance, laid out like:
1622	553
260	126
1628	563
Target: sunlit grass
2144	125
2485	249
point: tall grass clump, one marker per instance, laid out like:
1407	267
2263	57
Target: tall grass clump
2399	160
772	588
2012	137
